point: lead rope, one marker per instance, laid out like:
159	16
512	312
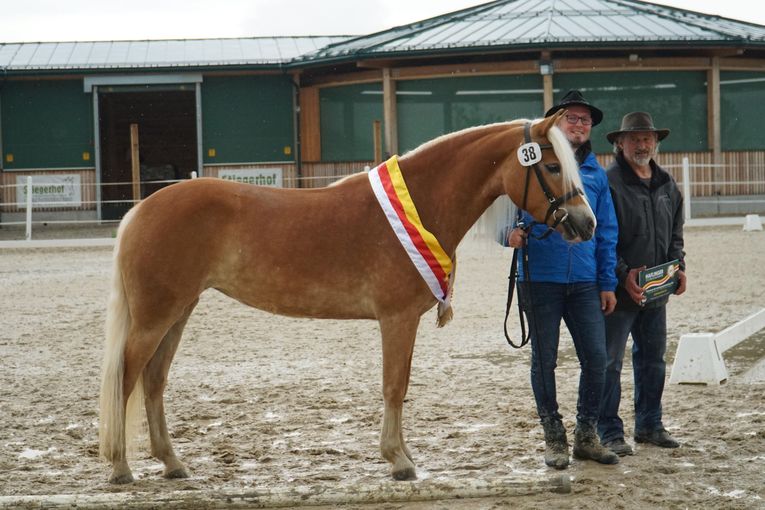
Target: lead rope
510	289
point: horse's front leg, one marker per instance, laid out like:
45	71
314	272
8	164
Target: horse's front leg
398	334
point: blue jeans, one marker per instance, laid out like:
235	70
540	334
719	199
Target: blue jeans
578	304
649	344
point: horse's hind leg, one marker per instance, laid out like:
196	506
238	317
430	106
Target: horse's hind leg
398	334
154	381
140	345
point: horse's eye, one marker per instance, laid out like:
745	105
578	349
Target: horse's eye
553	168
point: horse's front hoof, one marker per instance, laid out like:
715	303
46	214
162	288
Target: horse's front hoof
121	479
176	473
405	474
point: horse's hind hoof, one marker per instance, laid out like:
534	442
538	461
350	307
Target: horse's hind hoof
405	474
176	473
121	479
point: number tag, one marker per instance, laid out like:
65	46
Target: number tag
529	153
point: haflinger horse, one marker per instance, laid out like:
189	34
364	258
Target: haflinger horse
323	253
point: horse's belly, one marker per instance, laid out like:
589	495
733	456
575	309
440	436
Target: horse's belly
303	300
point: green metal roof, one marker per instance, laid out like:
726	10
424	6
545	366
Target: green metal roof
180	53
508	24
501	25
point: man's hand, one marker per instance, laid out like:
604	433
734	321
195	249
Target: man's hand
680	282
607	301
517	238
633	289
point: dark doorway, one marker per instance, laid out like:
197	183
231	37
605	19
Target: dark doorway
167	133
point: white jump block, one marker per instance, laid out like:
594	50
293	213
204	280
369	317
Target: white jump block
752	222
699	360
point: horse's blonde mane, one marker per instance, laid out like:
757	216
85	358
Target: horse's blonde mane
460	133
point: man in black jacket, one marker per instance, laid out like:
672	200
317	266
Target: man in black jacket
649	209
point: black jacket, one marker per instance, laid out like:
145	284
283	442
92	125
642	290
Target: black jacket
650	223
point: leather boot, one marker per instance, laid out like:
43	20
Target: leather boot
556	450
587	446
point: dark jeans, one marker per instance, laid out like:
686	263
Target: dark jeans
578	304
649	343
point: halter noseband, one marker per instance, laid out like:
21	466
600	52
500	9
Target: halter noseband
559	214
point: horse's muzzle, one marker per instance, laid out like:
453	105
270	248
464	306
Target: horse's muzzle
578	226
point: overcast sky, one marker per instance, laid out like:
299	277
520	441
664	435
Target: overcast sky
96	20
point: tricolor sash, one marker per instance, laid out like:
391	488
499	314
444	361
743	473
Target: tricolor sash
432	262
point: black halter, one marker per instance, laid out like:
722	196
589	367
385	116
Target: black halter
553	210
559	214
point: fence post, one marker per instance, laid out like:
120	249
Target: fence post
135	163
29	208
686	189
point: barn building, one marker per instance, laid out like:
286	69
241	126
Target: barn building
299	111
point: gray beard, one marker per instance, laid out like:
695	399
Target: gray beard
643	161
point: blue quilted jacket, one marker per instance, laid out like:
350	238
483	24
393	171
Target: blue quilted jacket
557	261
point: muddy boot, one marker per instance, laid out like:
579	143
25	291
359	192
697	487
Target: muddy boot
587	446
556	451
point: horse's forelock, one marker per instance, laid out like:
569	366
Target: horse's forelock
569	166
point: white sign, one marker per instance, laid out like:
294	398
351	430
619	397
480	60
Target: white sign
259	176
50	191
529	153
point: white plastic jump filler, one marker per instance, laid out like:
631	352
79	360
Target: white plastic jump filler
699	360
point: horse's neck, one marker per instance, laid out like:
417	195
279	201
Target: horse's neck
453	182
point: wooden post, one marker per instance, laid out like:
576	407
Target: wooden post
713	122
548	101
135	163
547	83
377	138
389	112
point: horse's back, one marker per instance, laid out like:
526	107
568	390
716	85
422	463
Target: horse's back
295	252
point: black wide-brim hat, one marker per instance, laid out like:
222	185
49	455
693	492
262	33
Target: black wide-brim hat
574	97
637	121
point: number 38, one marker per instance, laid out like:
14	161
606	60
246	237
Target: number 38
529	154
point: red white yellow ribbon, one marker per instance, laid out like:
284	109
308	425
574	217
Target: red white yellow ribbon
432	262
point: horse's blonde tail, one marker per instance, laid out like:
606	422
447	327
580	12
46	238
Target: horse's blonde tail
445	311
113	418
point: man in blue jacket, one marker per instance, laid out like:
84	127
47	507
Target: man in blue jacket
576	283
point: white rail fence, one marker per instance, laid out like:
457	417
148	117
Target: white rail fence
32	209
699	356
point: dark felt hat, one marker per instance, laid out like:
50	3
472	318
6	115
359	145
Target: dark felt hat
637	121
574	97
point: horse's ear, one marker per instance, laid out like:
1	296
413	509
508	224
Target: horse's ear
545	124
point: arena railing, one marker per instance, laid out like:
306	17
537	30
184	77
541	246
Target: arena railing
696	180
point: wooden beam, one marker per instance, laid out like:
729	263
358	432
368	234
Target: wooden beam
742	64
625	64
713	116
330	80
457	70
377	140
532	67
135	162
389	113
310	124
547	82
548	100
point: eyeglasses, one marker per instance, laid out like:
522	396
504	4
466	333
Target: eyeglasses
572	119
